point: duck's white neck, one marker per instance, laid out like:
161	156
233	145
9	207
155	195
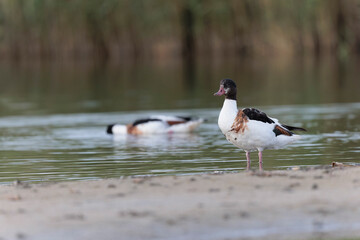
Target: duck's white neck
227	115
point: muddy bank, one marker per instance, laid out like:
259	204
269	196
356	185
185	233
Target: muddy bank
321	204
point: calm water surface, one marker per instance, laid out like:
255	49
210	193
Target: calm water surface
53	119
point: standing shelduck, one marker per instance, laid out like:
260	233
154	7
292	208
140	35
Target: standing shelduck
156	125
249	128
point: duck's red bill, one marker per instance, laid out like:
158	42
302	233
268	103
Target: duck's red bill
220	92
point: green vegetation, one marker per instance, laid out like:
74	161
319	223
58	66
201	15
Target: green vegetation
127	29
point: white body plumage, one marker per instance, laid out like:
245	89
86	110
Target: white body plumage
257	135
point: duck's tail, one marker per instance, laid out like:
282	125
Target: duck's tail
291	128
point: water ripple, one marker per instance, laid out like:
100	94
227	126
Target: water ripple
75	146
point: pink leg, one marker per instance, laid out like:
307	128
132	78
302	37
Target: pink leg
260	161
248	161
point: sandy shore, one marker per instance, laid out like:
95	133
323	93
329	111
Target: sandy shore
315	204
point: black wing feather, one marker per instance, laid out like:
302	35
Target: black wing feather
257	115
186	119
145	120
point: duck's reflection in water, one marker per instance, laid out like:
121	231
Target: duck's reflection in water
159	142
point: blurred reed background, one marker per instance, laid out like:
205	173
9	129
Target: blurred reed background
123	30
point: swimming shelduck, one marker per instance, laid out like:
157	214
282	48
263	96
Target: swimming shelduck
249	128
156	125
